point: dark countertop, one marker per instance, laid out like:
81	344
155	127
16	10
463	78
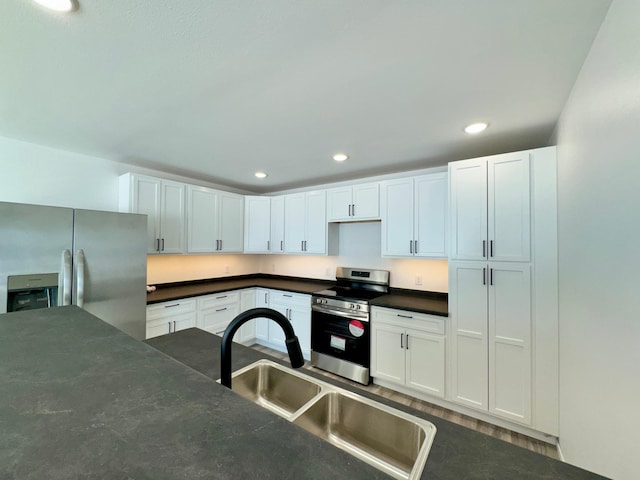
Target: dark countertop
414	300
175	291
458	453
80	399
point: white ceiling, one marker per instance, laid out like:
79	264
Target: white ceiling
217	89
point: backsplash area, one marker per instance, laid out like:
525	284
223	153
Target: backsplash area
359	247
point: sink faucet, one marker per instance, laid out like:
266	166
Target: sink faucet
293	346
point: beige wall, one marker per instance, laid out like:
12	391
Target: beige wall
599	259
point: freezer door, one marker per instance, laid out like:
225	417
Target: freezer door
33	240
110	268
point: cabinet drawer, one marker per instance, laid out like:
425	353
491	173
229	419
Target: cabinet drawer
168	309
291	299
408	319
170	324
218	299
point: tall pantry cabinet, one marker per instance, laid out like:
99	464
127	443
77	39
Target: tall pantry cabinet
502	272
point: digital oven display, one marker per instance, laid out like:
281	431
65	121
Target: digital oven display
355	273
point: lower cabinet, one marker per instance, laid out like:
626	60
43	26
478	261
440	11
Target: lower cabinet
408	349
169	317
296	308
216	311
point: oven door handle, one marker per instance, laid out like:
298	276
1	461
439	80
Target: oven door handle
356	316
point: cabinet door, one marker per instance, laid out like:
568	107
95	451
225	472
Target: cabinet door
387	352
182	322
231	221
294	220
468	209
276	334
247	332
397	217
366	201
468	314
425	354
257	224
339	204
262	324
158	327
316	223
510	341
146	200
215	320
509	207
172	218
431	212
203	225
300	319
277	224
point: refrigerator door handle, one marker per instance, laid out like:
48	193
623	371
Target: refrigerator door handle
66	277
80	278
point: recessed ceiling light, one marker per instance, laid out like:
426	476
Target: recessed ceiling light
476	127
58	5
260	175
340	157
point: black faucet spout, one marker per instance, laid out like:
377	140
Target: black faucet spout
293	345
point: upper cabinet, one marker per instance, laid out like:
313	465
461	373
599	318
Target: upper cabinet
215	221
257	224
358	202
163	201
305	223
414	216
490	208
277	224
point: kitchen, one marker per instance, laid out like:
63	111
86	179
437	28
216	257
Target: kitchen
595	246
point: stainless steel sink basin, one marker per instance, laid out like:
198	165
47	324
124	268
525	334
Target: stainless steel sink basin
274	387
391	440
386	438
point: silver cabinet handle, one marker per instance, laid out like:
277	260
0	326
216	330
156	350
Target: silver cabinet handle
172	305
221	309
407	342
157	245
403	316
491	248
491	276
169	326
353	210
302	245
288	296
66	277
305	245
282	245
220	244
415	246
401	338
268	245
349	208
174	326
410	246
484	276
80	278
162	249
221	296
484	248
266	298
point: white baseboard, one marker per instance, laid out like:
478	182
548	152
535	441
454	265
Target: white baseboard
560	455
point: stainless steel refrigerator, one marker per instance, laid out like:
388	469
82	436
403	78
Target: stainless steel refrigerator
52	256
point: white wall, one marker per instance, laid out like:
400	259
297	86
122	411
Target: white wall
360	247
599	255
178	268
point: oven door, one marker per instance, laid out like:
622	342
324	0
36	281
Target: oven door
340	335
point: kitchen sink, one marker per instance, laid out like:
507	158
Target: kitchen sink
274	387
393	441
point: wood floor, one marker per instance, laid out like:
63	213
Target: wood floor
435	410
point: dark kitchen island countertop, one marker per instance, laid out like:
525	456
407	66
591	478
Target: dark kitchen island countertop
80	399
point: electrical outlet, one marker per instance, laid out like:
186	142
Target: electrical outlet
227	269
273	267
418	280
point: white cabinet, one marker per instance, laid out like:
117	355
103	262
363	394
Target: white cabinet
359	202
216	311
247	332
490	305
408	349
257	224
163	202
305	223
490	208
215	221
169	317
414	216
277	224
295	307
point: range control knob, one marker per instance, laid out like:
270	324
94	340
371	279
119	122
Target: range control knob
352	305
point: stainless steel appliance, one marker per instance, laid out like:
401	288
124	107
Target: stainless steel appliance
340	329
52	256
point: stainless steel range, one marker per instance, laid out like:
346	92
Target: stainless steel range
340	329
